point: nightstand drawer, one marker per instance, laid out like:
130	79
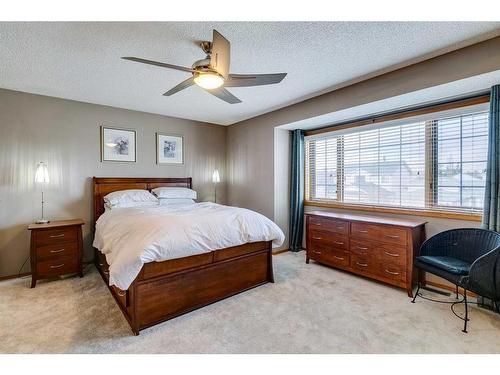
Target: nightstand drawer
57	251
57	266
56	236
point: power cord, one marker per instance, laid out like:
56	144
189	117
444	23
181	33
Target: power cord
20	269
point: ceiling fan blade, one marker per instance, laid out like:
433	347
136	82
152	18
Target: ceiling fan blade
244	80
157	63
181	86
221	54
225	95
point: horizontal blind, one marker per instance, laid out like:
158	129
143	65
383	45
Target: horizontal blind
460	159
433	164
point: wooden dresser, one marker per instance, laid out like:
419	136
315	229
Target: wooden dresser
56	249
377	247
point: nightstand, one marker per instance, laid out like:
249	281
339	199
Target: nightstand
56	249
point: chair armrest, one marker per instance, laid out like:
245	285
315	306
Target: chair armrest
484	275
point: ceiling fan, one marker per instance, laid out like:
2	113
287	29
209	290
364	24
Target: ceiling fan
212	73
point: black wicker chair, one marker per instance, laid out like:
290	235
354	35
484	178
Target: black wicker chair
469	258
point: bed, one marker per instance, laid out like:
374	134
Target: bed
166	289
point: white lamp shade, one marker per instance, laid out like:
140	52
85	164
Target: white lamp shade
216	176
42	173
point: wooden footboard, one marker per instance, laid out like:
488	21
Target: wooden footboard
164	290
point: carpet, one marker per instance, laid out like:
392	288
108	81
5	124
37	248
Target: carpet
310	309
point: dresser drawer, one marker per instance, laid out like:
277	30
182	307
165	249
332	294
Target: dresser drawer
57	266
363	248
330	225
364	264
391	254
381	233
334	240
325	254
339	258
392	271
56	236
57	251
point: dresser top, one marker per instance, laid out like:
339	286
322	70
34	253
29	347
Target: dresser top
56	224
370	219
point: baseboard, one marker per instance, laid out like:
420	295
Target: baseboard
449	288
280	251
8	277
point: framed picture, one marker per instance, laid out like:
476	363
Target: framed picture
169	149
118	144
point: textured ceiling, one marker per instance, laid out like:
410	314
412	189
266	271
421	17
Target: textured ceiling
81	61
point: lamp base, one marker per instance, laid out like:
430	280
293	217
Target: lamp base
42	221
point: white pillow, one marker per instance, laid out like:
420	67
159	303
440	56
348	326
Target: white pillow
107	206
175	201
174	192
124	197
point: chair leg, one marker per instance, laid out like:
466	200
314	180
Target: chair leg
416	294
466	312
456	292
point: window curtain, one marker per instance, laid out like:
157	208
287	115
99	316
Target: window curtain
491	213
297	191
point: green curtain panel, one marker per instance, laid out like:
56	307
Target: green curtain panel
297	191
491	214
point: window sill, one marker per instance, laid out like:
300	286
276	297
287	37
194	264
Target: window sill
400	211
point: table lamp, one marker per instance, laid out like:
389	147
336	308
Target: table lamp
42	177
215	180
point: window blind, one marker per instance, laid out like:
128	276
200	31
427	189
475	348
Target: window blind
437	164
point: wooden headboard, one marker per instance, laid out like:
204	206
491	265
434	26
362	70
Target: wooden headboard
105	185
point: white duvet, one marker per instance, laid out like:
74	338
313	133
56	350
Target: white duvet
130	237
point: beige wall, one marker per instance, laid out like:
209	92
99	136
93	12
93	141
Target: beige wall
250	142
282	162
250	167
66	135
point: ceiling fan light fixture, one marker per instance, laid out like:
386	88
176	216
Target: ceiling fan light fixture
208	81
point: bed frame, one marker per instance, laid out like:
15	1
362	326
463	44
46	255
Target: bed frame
164	290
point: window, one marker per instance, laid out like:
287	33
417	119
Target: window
437	164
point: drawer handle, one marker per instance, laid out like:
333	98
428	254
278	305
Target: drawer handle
58	266
317	224
316	252
340	227
317	238
57	235
362	264
57	251
361	248
339	258
338	242
392	235
391	254
363	231
392	273
121	293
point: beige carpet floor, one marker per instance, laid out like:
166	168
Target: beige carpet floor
310	309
